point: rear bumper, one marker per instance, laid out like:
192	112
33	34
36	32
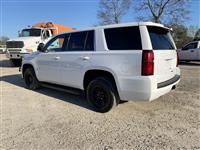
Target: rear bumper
145	88
164	90
168	82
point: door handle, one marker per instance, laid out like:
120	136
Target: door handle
191	51
85	57
57	58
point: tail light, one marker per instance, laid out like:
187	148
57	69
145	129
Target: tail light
147	62
177	60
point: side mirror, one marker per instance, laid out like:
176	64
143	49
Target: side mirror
19	34
40	47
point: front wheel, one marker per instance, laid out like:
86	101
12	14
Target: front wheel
30	79
102	94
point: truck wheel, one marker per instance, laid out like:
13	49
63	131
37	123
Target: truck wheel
102	95
16	62
31	81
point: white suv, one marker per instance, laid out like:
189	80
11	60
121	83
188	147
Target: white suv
132	61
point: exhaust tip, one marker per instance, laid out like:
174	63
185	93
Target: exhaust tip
174	87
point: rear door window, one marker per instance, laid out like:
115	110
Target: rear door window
123	38
81	41
160	38
76	42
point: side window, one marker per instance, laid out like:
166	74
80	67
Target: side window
47	34
81	41
77	41
195	45
43	34
56	44
190	46
123	38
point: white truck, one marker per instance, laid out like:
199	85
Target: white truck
29	39
132	61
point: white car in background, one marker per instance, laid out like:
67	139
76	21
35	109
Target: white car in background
190	52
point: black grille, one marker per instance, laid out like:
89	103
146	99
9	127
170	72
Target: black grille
14	44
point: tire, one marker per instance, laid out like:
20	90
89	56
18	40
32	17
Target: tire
16	62
31	81
102	94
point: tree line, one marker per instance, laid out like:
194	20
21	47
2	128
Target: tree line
172	13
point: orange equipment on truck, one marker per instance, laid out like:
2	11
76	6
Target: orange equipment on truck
56	28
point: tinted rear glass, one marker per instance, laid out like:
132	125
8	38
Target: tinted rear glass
160	38
124	38
81	41
77	41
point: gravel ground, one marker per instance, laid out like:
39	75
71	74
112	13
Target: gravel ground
48	119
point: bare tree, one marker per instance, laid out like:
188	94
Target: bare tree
192	30
181	35
163	11
197	35
112	11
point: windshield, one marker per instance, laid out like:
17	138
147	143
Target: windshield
160	38
31	32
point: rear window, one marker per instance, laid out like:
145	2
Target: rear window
160	38
123	38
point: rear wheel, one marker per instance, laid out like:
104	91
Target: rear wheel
30	79
102	94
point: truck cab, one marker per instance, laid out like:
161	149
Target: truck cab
29	39
26	43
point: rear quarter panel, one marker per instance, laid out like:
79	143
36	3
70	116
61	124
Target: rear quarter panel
122	64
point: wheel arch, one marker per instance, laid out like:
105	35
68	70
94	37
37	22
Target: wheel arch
94	73
26	66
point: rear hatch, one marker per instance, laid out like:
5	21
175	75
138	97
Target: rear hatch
165	56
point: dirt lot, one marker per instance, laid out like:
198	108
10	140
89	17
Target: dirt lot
48	119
